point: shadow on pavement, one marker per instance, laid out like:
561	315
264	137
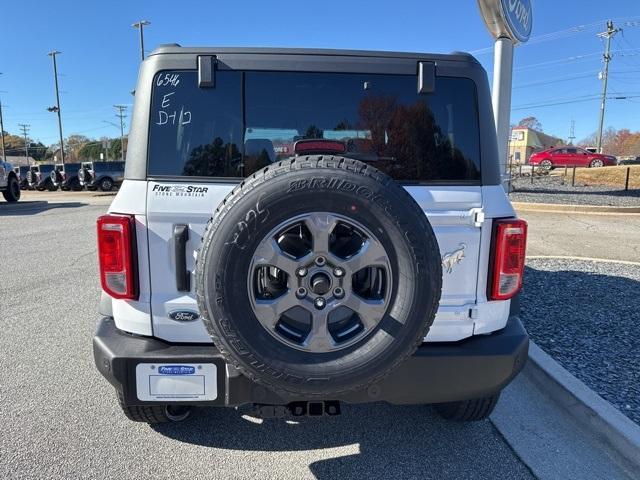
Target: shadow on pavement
392	442
34	207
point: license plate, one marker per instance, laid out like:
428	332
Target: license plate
176	381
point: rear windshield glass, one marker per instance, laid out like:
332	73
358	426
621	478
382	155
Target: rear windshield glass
252	119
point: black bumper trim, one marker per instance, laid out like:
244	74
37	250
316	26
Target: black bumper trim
437	372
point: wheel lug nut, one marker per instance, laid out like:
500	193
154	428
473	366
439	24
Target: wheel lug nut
338	292
320	261
301	272
301	292
338	272
320	303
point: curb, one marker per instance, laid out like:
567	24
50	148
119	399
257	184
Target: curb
592	412
566	208
582	259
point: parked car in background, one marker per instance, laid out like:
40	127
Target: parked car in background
24	183
9	184
65	176
629	161
102	175
570	157
39	178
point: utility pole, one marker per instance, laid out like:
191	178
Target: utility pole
611	31
4	157
121	115
56	109
25	130
572	132
140	25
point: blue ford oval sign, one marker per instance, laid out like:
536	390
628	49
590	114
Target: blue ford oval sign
517	14
184	315
508	18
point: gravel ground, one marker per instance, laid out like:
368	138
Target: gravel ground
549	189
585	314
59	417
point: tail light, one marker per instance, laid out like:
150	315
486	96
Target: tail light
116	254
509	245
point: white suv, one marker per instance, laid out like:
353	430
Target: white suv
9	182
299	228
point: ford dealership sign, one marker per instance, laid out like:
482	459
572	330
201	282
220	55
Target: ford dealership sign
508	18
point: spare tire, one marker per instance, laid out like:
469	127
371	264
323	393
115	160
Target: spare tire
317	276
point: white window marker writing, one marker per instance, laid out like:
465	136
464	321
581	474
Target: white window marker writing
168	79
166	99
165	118
184	116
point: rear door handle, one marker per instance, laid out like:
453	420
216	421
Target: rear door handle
183	276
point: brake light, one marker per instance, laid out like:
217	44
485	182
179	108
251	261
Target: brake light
319	145
509	246
116	255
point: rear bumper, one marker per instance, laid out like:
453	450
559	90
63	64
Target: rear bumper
438	372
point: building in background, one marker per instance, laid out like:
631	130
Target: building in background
525	141
20	161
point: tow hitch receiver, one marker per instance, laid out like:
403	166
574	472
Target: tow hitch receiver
296	409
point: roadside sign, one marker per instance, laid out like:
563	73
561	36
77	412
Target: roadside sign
508	18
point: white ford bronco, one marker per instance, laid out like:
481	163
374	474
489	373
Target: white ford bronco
9	182
300	228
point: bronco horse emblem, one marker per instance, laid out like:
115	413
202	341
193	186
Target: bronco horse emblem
450	260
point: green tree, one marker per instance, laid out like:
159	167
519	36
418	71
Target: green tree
531	122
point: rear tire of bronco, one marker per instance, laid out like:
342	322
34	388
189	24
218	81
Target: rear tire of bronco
356	283
468	410
12	193
155	413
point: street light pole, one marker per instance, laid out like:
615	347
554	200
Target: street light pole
140	25
53	54
4	156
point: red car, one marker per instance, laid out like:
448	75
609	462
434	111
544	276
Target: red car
570	157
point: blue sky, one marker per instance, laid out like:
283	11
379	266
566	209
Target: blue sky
98	66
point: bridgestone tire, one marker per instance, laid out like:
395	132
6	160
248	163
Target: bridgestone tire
468	410
150	413
12	192
277	194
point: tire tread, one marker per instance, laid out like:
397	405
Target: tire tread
310	162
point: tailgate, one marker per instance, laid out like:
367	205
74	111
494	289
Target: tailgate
452	211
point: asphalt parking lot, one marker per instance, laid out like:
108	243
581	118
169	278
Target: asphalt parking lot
59	418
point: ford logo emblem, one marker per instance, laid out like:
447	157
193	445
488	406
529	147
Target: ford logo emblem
184	315
176	370
518	15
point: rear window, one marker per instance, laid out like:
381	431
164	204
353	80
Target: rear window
252	119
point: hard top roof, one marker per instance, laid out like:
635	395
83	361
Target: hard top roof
174	48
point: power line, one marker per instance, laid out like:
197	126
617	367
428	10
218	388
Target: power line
568	32
584	98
